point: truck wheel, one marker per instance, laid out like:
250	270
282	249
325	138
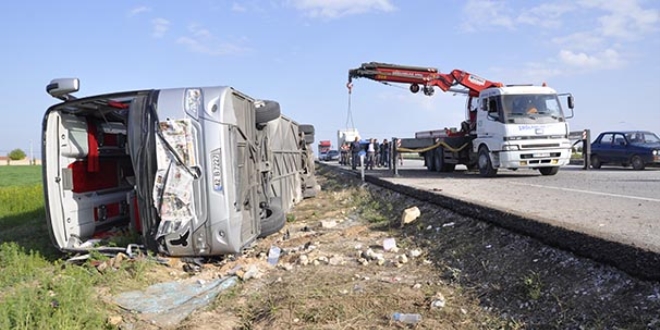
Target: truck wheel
595	162
429	156
268	112
637	163
274	220
549	170
307	129
438	159
485	165
449	168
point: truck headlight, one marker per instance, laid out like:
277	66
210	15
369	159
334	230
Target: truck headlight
193	101
656	152
510	147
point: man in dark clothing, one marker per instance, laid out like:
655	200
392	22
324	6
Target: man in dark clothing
355	150
385	154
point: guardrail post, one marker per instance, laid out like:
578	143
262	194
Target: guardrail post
362	167
586	148
395	156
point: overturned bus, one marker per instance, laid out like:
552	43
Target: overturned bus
191	171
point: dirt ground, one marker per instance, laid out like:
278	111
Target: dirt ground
455	272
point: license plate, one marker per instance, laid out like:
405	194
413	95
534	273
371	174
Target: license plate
541	155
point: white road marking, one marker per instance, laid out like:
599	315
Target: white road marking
588	192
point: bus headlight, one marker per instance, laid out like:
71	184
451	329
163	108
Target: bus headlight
193	101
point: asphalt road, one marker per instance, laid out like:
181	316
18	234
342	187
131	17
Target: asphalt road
612	203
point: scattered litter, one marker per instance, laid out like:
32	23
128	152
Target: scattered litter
448	224
358	246
406	318
489	246
417	286
389	243
438	301
409	215
336	260
414	253
328	224
429	227
167	304
274	255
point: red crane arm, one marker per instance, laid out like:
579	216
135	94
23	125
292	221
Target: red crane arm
424	76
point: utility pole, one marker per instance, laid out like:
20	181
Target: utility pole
32	162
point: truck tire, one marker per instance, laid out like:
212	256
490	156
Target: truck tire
429	158
438	159
268	112
549	170
595	162
637	163
485	165
307	129
274	220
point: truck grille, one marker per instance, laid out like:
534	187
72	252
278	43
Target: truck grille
541	145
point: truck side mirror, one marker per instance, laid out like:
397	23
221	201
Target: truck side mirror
571	103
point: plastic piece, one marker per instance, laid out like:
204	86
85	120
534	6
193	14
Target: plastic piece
406	318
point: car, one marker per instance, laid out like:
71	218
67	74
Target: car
322	155
332	155
628	148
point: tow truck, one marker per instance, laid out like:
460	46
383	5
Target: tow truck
506	126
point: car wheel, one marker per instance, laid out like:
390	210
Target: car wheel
595	162
485	165
549	170
637	163
274	220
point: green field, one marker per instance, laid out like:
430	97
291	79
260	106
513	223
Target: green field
19	175
38	290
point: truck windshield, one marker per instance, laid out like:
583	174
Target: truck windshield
532	108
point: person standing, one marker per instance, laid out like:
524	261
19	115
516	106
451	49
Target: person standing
385	154
355	150
371	154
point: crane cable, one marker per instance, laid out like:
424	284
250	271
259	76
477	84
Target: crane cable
349	115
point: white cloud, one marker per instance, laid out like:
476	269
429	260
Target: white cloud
238	8
625	18
607	59
203	41
485	13
331	9
138	10
160	27
547	15
585	41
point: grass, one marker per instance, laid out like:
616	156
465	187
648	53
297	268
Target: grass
24	175
38	290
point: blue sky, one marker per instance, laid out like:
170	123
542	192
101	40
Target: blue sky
298	52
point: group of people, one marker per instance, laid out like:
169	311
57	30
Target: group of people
377	154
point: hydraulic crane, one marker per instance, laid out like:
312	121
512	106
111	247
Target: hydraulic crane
422	77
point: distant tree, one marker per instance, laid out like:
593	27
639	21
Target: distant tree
16	154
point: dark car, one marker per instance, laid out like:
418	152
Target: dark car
636	148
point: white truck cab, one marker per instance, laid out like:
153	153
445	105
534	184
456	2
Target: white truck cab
521	127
